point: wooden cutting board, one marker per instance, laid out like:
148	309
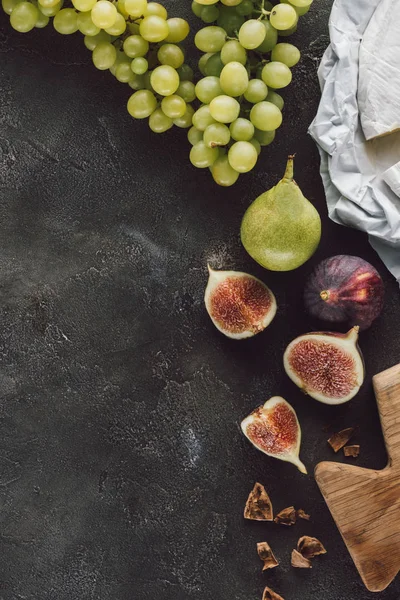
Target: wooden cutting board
364	503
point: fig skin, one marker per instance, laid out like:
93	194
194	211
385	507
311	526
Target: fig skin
239	304
341	372
345	290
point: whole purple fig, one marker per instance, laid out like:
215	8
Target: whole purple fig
345	290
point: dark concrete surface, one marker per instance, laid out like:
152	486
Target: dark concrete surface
123	472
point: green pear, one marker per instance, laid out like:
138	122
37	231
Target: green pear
281	229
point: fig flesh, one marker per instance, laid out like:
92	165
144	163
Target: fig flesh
274	429
239	304
327	366
345	290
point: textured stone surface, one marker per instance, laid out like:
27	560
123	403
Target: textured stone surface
123	472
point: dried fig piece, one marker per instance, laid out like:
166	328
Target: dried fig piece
271	595
340	439
299	561
275	430
327	366
287	516
267	556
301	514
353	451
239	304
258	506
310	547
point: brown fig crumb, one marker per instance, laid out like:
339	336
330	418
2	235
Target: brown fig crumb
353	451
299	561
340	439
258	506
287	516
301	514
310	547
267	556
271	595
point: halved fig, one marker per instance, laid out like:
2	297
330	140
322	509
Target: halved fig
327	366
239	304
274	429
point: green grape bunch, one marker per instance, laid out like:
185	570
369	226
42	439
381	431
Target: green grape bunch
231	109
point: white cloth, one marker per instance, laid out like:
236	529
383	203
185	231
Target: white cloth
361	179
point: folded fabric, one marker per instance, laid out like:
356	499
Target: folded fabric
361	178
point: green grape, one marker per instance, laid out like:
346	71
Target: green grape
171	54
66	21
134	28
155	8
207	89
159	122
230	2
268	6
264	138
209	14
137	82
287	54
301	10
91	41
139	65
214	65
201	156
283	16
86	25
173	106
122	8
276	75
164	80
202	118
222	172
186	120
153	28
256	145
24	17
241	130
9	5
135	46
210	39
51	11
119	26
276	99
135	8
194	136
187	91
141	104
301	3
185	73
270	40
207	2
42	21
216	134
252	34
104	14
234	79
47	3
242	157
84	5
123	72
230	21
288	32
178	30
245	8
197	9
104	55
265	116
203	61
231	51
224	109
256	91
120	57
